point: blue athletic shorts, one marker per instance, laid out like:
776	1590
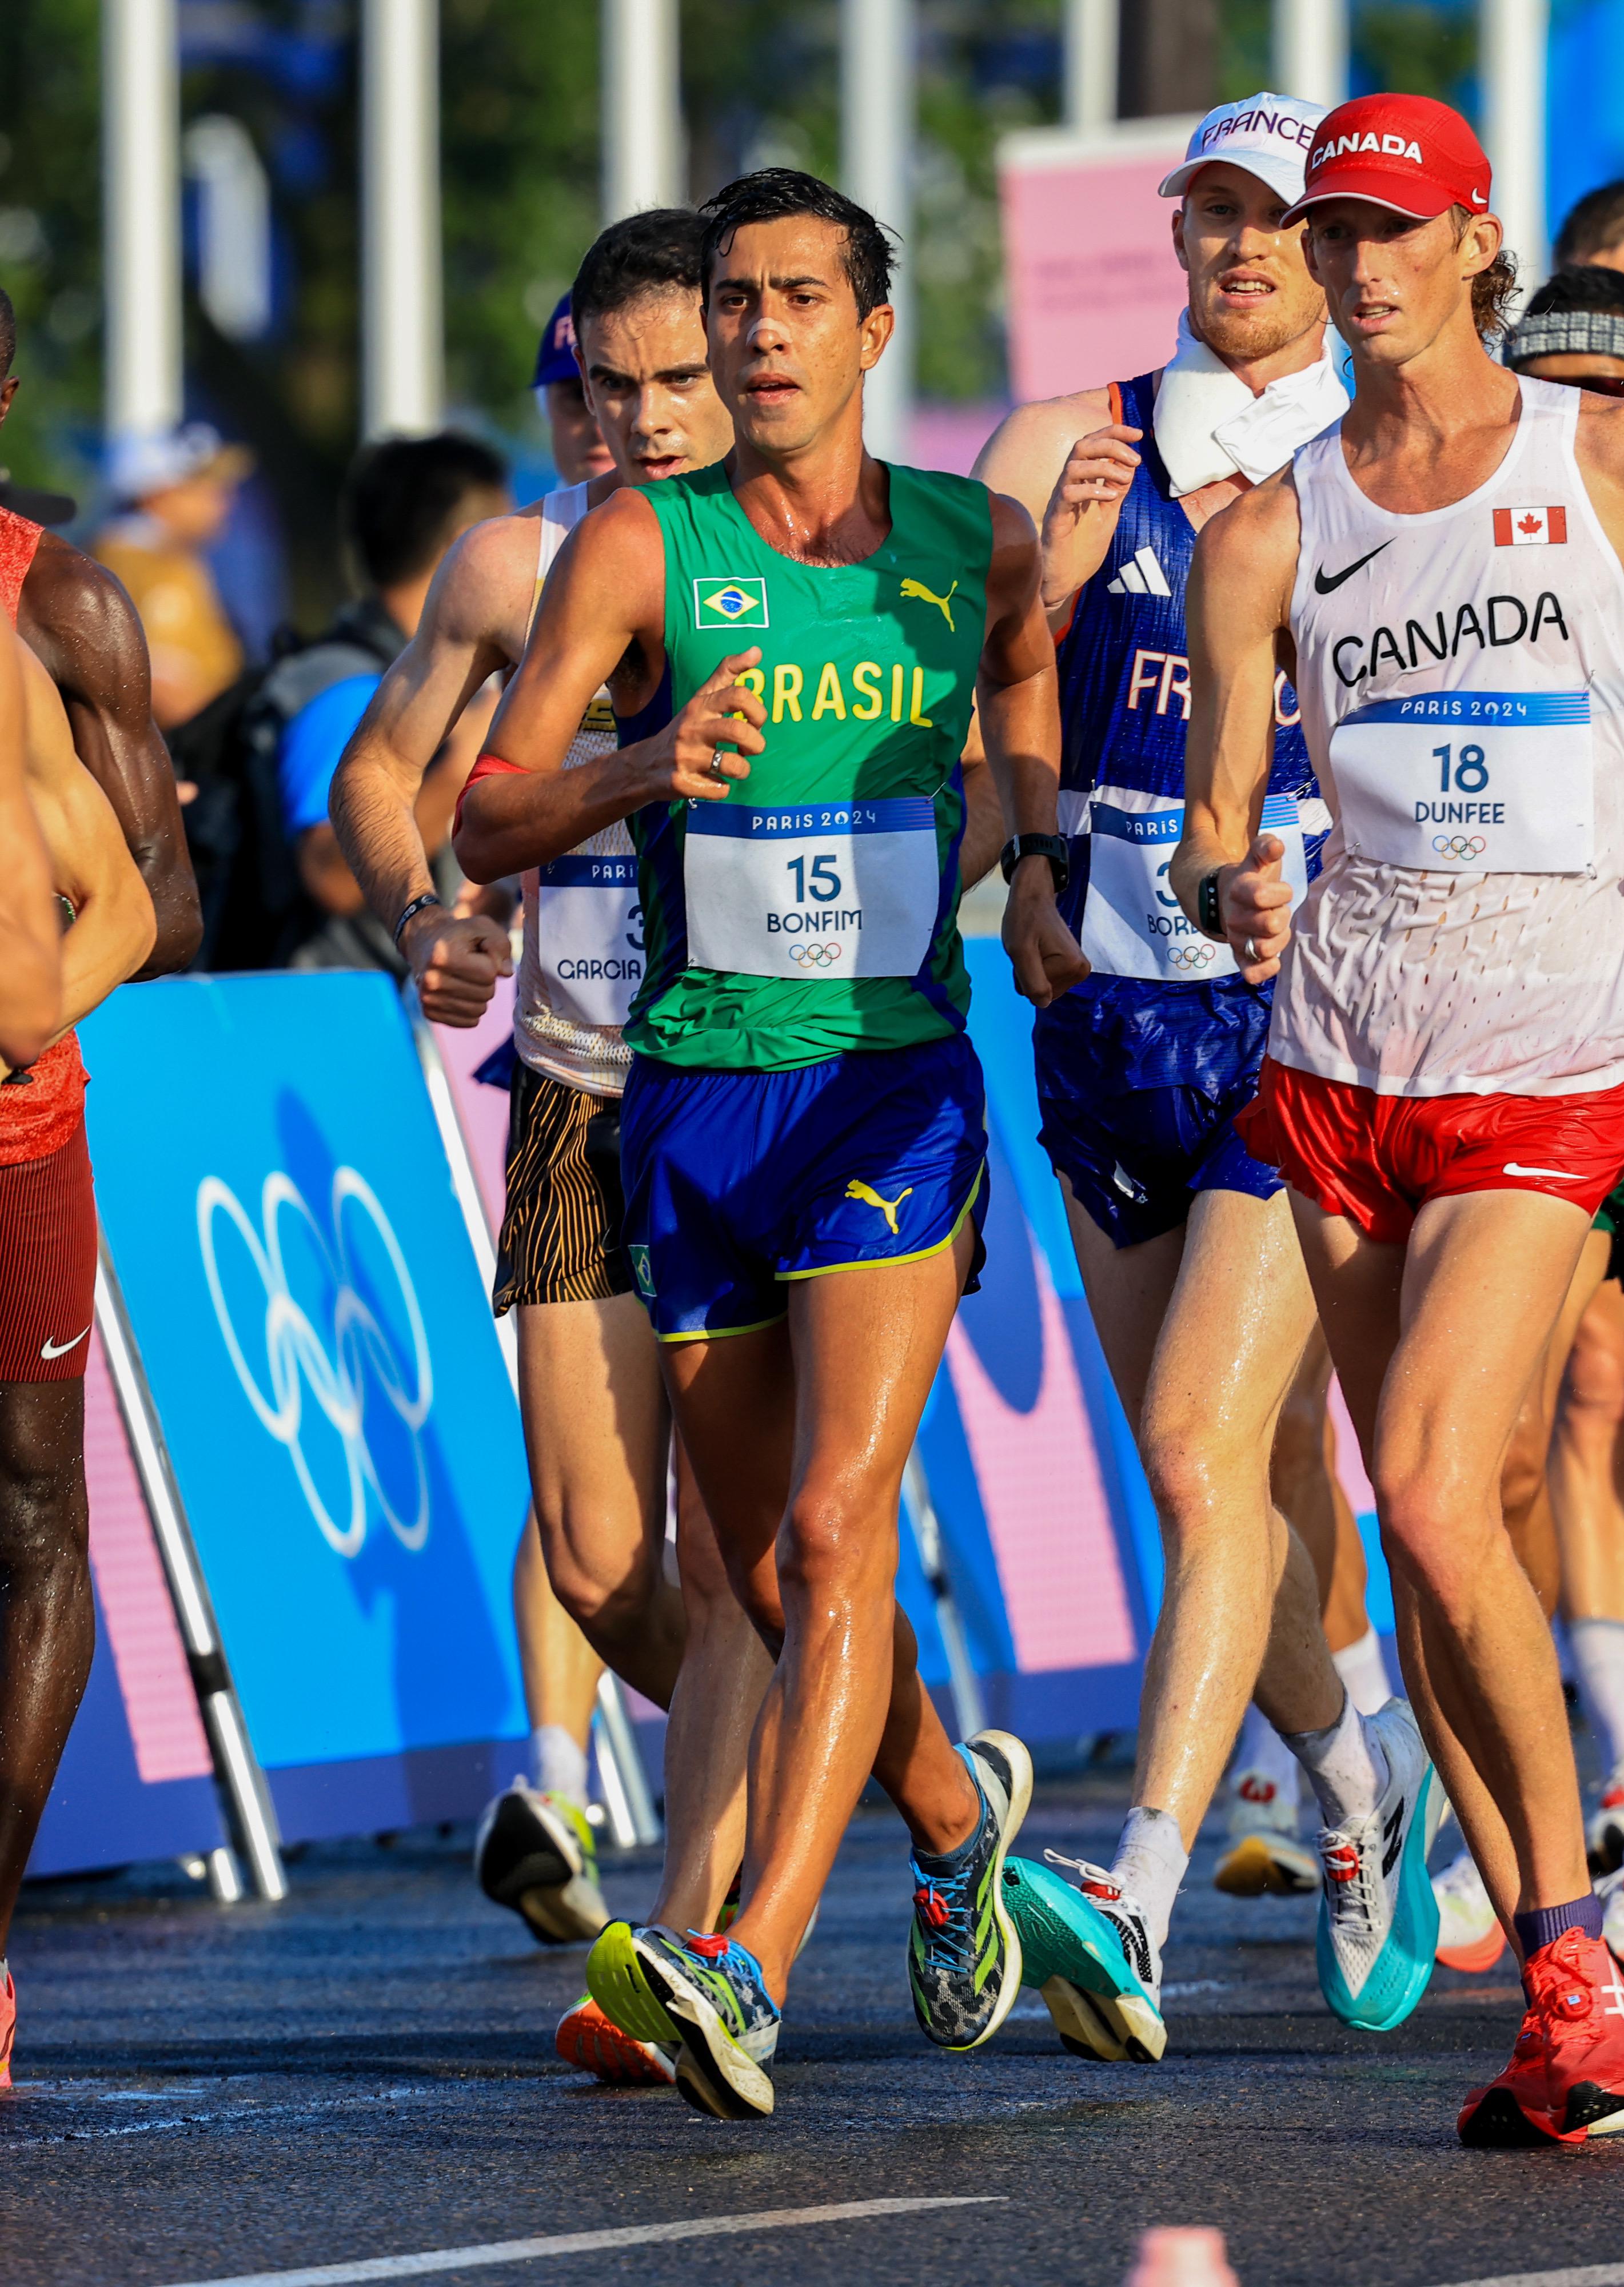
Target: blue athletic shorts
736	1182
1139	1106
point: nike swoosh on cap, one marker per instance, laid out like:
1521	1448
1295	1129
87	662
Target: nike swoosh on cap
1556	1174
1325	582
50	1349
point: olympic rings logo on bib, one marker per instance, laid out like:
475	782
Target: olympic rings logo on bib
815	956
1459	845
1193	956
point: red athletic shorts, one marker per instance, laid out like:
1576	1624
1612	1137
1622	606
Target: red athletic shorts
47	1263
1378	1159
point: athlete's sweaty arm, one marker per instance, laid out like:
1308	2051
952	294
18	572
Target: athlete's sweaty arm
1018	706
1237	612
30	940
601	621
113	924
378	783
79	622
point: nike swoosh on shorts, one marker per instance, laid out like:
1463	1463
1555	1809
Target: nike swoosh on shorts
1555	1175
50	1349
1325	582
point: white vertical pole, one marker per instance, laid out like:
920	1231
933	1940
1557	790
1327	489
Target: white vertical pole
403	353
1310	50
140	112
1091	28
1511	43
877	124
643	157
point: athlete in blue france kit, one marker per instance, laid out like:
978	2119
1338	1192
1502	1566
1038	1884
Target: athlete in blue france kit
1185	1241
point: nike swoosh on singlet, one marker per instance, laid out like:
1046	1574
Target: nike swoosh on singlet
50	1349
1324	582
1555	1175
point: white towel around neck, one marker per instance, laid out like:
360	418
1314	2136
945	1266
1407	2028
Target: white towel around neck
1208	424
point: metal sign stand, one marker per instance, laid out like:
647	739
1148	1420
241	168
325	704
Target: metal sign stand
250	1816
627	1802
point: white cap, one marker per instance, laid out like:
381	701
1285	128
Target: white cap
143	462
1267	135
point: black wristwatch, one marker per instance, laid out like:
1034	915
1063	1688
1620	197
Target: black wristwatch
1208	919
1055	847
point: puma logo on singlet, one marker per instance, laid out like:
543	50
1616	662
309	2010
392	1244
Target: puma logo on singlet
858	1190
920	593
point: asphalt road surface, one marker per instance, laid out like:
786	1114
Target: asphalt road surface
366	2074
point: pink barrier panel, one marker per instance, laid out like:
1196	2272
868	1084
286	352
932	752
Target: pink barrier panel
482	1112
149	1656
1094	287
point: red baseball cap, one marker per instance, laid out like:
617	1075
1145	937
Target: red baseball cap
1405	152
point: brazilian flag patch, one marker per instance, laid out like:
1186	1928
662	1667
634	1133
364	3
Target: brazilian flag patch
728	604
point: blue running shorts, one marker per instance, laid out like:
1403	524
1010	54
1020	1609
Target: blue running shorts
1139	1111
736	1182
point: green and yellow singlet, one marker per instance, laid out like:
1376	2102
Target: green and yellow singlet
815	909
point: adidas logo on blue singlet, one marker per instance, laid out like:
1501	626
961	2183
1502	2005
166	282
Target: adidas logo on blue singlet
1141	575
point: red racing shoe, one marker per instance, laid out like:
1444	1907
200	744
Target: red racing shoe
586	2037
1576	1986
1516	2108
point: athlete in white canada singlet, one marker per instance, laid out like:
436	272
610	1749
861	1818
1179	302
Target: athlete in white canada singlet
1444	1089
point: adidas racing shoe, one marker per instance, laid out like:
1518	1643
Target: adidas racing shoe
1264	1859
964	1952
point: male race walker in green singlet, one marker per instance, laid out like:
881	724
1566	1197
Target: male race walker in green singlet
792	641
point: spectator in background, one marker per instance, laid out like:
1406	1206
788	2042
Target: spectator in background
1593	235
174	492
579	450
405	502
1573	331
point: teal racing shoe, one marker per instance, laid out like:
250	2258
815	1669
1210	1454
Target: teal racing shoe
1377	1938
1087	1950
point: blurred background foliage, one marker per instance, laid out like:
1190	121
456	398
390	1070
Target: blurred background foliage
520	146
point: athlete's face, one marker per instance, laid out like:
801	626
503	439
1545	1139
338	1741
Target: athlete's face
1250	292
787	346
1394	284
579	450
649	385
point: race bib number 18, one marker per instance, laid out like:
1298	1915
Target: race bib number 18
821	890
1468	782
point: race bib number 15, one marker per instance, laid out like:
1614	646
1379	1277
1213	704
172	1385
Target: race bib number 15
818	891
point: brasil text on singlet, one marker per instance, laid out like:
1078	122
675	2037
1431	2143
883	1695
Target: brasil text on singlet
815	910
1462	698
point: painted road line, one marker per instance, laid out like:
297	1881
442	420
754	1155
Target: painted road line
586	2243
1589	2275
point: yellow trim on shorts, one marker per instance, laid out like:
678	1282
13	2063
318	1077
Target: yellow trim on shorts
724	1334
890	1262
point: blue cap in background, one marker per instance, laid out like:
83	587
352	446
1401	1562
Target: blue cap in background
556	358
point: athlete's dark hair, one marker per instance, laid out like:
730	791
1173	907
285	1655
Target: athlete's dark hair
401	500
1594	224
773	194
657	252
8	333
1586	287
1494	289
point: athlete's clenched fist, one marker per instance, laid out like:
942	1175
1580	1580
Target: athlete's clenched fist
691	761
1083	510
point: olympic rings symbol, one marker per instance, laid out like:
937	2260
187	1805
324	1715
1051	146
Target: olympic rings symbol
818	956
1459	845
1193	956
363	1355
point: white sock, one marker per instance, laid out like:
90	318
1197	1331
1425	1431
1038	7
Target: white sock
1149	1865
1364	1672
1345	1766
1263	1751
1598	1655
558	1763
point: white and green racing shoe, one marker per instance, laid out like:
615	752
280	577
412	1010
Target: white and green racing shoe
535	1854
1088	1952
1377	1938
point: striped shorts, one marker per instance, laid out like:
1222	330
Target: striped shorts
561	1234
47	1264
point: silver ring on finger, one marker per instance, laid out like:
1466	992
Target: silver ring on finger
716	770
1249	950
